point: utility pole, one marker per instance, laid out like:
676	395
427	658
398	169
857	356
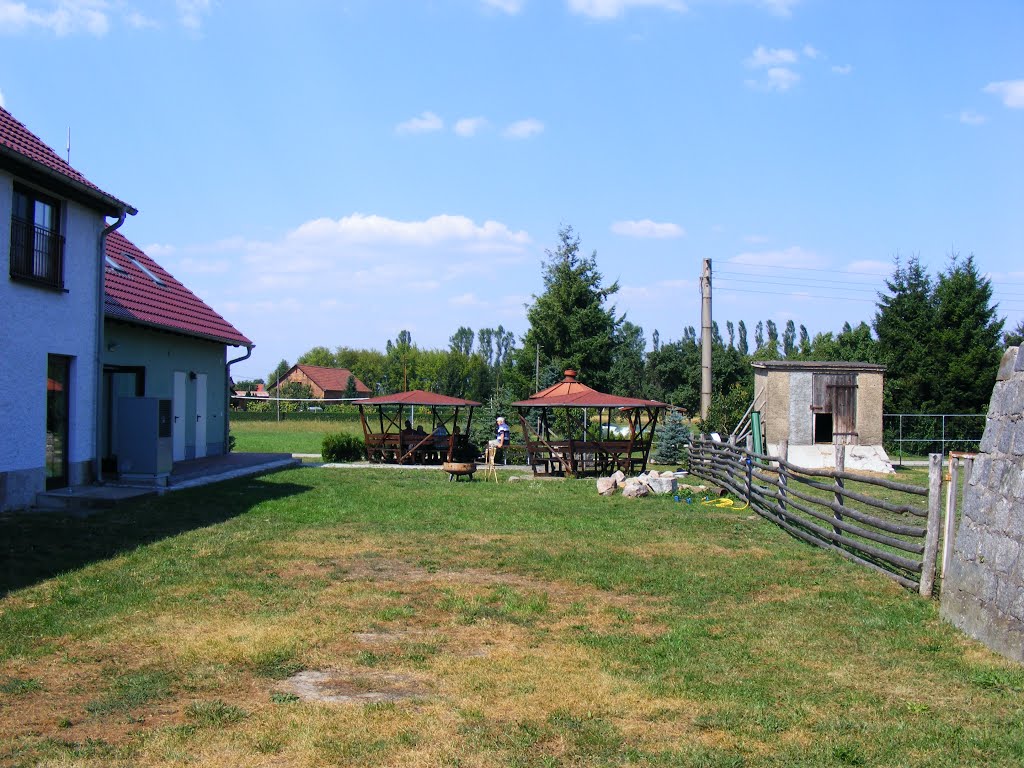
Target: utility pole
705	339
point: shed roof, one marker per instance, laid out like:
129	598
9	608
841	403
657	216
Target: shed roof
417	397
817	365
571	393
19	145
133	295
328	379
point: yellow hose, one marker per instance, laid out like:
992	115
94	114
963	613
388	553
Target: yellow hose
724	503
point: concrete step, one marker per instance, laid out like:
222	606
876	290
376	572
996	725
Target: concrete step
87	498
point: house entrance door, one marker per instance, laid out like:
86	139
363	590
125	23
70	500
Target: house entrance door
178	410
58	399
200	415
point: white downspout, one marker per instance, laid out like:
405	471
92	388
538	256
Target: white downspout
101	293
227	396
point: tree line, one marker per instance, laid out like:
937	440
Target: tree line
939	337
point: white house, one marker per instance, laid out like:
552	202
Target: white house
86	318
52	227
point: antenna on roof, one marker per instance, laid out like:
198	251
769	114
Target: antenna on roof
69	145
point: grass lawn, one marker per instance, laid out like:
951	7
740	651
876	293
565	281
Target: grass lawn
471	624
287	436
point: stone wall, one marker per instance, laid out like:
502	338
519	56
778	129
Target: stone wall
983	593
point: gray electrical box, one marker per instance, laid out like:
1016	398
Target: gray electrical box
144	441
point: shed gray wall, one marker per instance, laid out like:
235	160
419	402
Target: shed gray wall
800	421
983	592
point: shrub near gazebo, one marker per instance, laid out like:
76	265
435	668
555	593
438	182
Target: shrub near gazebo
562	440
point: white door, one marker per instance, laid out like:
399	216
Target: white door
178	409
200	415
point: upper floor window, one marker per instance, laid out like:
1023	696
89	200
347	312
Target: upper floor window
37	248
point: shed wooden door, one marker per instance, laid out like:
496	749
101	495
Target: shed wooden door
835	395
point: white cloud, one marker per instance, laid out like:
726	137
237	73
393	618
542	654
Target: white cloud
426	122
777	64
372	229
794	256
843	69
1010	91
191	13
511	7
470	126
771	57
158	250
779	7
137	20
611	9
811	52
970	117
781	79
647	229
66	18
2	104
466	300
524	129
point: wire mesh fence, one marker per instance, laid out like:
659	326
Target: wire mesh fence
915	435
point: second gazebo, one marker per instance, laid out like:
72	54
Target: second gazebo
572	429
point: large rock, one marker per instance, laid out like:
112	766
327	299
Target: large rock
662	485
634	488
606	486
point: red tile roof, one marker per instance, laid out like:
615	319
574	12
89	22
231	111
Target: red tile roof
572	393
16	139
133	296
329	379
417	397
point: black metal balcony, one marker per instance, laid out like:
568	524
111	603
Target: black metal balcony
37	254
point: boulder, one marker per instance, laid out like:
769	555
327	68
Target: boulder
618	477
661	485
606	486
634	488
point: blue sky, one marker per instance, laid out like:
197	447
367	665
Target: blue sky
334	172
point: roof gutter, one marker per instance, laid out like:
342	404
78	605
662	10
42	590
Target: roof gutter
227	396
100	346
110	204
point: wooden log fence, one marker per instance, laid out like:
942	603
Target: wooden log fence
817	506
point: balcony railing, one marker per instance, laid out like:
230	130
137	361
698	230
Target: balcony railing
37	254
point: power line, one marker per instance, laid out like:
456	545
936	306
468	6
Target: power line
793	282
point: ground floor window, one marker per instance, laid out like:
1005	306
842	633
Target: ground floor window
58	400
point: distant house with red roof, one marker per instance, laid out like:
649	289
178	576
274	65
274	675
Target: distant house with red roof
324	383
89	320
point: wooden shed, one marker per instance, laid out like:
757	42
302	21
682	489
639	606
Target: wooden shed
813	406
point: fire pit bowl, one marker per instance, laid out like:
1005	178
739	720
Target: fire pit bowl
459	469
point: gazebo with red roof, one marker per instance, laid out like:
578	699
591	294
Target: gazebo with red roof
401	442
586	448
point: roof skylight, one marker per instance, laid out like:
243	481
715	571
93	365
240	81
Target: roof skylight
149	273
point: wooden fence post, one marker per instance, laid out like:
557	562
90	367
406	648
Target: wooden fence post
840	467
783	480
949	529
931	540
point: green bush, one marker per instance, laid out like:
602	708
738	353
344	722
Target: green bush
341	447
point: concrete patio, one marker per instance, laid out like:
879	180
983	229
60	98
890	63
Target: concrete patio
185	474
